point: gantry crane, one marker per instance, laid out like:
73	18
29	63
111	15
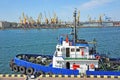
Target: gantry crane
24	18
55	18
46	19
39	18
101	17
89	18
51	19
21	21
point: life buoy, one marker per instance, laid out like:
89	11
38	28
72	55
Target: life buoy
22	69
75	66
15	68
97	57
29	71
92	66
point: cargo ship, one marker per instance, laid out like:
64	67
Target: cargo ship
72	56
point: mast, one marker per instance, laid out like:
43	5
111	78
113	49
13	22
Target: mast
75	33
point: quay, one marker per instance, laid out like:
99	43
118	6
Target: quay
14	25
57	77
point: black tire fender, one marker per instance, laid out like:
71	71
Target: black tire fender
29	71
11	63
49	73
41	73
15	68
22	69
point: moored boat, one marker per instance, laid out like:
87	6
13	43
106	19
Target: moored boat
72	56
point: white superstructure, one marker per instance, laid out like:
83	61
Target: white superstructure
75	57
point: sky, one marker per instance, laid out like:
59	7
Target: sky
11	10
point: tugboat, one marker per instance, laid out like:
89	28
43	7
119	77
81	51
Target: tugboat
73	56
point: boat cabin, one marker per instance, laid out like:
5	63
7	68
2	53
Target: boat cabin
74	56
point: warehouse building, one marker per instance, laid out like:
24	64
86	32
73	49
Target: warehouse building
5	24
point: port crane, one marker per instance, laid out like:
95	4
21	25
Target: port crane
24	18
39	18
51	19
55	18
29	20
89	18
21	21
46	19
100	19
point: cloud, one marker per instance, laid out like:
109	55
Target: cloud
94	4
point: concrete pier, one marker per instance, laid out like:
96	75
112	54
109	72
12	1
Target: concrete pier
57	77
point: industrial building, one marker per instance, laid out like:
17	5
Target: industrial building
5	24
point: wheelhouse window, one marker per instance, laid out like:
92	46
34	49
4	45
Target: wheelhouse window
78	50
58	49
72	49
58	62
67	52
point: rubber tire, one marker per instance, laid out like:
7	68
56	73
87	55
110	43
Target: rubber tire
11	64
49	73
15	68
29	71
22	69
41	73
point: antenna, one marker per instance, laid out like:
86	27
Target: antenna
75	34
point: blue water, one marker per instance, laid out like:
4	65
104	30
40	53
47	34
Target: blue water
43	41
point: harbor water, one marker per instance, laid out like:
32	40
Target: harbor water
43	41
